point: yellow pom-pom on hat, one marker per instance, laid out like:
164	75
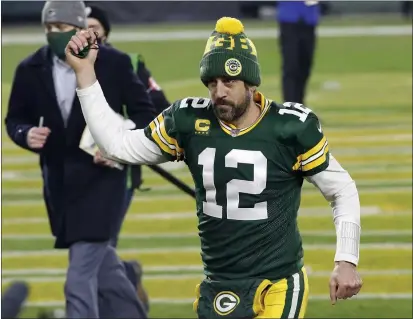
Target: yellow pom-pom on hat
229	25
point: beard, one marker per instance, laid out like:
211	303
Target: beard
228	111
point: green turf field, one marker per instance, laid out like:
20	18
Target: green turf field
361	88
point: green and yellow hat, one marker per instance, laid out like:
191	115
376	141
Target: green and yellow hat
229	53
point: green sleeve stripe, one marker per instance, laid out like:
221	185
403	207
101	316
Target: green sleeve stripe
135	59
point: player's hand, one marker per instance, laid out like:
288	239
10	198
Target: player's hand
77	43
37	136
99	159
345	281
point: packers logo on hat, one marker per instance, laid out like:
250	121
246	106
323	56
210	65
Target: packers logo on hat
230	53
233	67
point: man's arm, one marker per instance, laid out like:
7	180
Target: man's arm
139	106
106	127
340	190
337	187
19	119
320	168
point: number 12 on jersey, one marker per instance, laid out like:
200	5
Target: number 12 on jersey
296	109
236	186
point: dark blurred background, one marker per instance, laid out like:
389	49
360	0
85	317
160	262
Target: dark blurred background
135	12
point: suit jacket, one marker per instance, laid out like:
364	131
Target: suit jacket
159	100
83	199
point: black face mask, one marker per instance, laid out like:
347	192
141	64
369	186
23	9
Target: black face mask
58	42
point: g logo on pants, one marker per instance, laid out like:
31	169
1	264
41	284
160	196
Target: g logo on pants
225	302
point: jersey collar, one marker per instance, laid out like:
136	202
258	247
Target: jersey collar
264	105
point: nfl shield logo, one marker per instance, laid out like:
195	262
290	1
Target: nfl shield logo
234	132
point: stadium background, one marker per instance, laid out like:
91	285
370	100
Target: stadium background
361	87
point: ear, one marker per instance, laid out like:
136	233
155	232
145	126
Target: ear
251	88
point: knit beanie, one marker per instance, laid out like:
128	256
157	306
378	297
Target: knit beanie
69	12
100	15
229	53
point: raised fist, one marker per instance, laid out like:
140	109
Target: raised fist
78	42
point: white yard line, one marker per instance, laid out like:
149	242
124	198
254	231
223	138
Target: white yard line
254	33
303	213
33	174
51	273
316	233
189	301
23	175
37	191
62	271
166	186
200	276
191	249
308	191
134	217
372	138
311	211
29	159
139	198
17	159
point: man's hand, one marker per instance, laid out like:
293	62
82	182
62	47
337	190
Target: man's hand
37	136
99	159
345	281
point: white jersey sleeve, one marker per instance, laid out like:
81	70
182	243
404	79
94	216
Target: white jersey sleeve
107	129
337	186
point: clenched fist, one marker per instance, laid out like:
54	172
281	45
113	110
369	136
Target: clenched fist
37	136
345	281
77	43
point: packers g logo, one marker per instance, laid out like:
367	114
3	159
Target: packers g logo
233	67
225	302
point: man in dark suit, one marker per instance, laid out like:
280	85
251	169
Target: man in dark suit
83	195
98	20
297	21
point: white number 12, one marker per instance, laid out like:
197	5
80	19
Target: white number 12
235	186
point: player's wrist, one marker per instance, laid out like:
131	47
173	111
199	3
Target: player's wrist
345	257
85	77
345	263
348	242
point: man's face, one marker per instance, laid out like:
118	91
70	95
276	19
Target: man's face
58	27
97	27
230	98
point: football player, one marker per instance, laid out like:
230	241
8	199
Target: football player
249	157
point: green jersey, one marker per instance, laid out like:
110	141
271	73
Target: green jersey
248	182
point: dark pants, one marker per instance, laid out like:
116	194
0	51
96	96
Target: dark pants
13	299
97	276
126	204
129	266
407	8
297	43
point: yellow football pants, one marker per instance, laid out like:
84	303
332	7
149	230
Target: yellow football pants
286	298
